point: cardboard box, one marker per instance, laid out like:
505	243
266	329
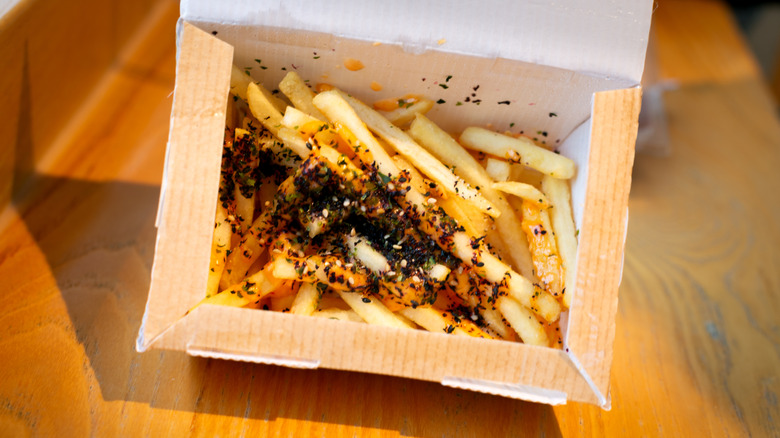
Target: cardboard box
570	74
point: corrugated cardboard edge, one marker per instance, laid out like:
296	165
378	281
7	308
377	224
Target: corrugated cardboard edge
491	366
192	162
591	324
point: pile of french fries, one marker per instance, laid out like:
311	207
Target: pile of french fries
331	208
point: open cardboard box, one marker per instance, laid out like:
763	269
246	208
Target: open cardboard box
569	73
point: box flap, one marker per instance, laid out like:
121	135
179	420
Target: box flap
186	213
604	38
591	323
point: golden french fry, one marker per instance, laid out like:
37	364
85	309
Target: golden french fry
331	300
373	311
219	247
296	119
263	108
446	149
245	205
247	252
281	304
251	289
306	300
371	258
420	157
521	150
299	94
293	141
404	110
536	225
239	81
471	219
563	225
339	314
498	170
442	321
524	322
523	190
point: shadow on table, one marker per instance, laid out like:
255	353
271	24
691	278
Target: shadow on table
98	239
100	250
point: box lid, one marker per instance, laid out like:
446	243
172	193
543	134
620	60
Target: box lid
606	38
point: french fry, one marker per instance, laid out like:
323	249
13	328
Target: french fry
299	94
560	198
498	170
522	190
263	108
306	300
418	156
316	269
446	149
245	205
442	321
293	141
451	204
281	304
371	258
339	314
247	252
331	300
524	322
536	225
521	150
239	81
401	112
372	311
296	119
251	289
219	246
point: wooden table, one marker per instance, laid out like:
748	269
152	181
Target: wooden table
697	351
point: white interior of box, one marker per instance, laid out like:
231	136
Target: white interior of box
605	38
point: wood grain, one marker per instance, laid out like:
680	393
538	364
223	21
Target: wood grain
697	344
44	81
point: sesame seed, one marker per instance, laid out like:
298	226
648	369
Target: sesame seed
416	279
351	281
397	247
403	263
431	200
346	203
325	212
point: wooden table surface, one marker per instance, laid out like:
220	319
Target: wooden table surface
697	351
